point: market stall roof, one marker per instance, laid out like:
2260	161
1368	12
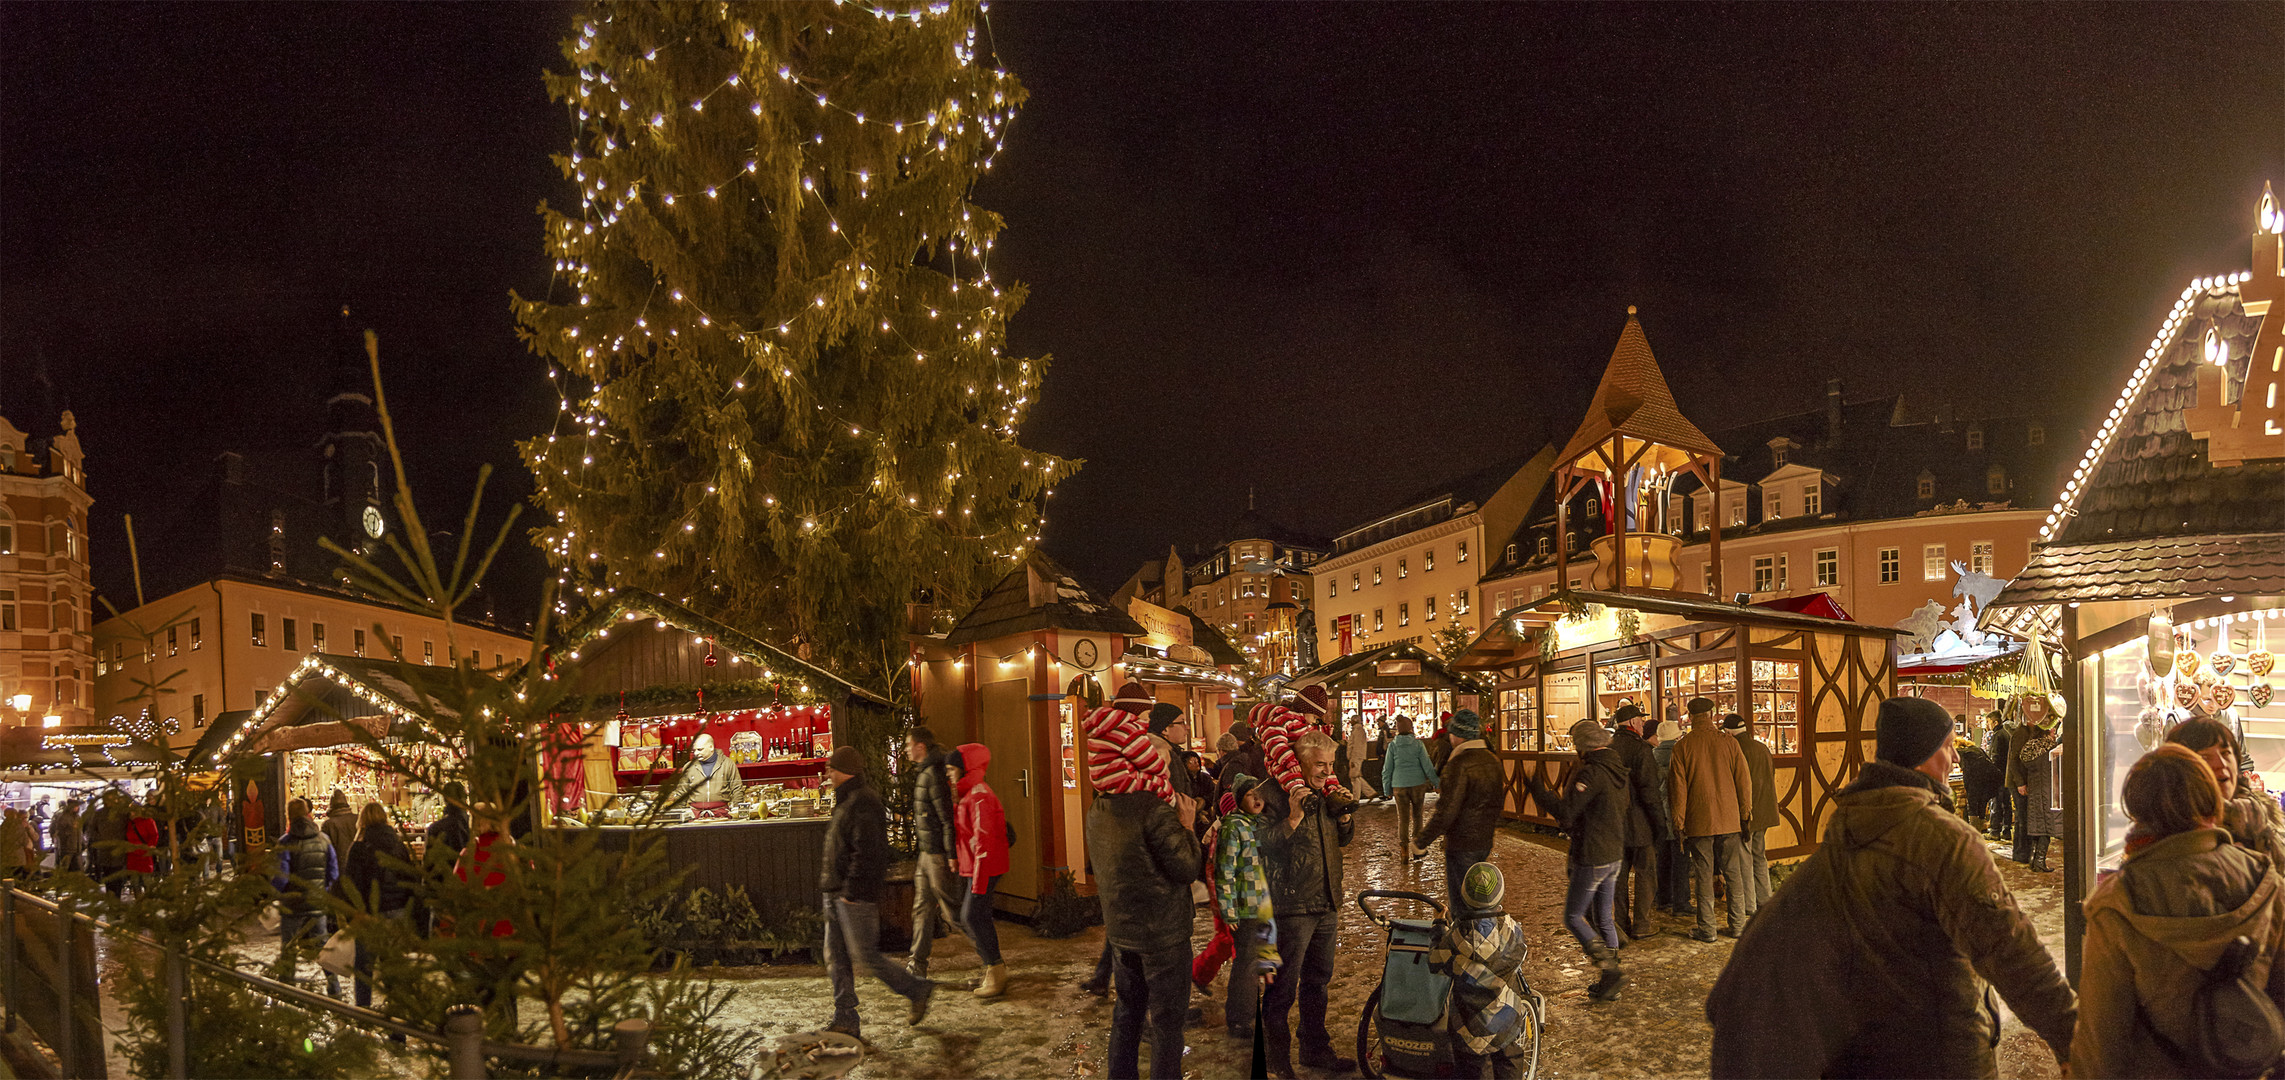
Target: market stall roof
1396	661
328	699
1634	403
1039	595
80	749
2182	492
1204	636
1918	666
635	605
1145	664
1819	604
1507	638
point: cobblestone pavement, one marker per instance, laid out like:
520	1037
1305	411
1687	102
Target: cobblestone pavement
1047	1027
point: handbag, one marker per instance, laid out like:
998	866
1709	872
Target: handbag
2235	1029
339	956
267	919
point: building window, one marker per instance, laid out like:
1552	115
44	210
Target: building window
1812	500
1401	570
194	640
1546	546
1428	609
1772	505
7	539
1769	573
428	648
173	645
1356	582
1891	566
317	637
1428	560
1737	509
1995	480
1333	587
1979	557
1538	591
1927	486
1462	554
1975	438
261	633
286	634
357	643
7	609
1828	566
396	647
261	694
1377	623
2037	436
1779	451
1932	562
1511	553
1376	575
1460	602
1706	578
1404	614
1499	601
1574	583
198	710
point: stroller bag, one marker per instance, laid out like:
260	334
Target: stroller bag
1415	1036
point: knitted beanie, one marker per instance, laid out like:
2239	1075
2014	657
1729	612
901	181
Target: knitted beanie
1483	887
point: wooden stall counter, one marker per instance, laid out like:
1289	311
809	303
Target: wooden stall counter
774	859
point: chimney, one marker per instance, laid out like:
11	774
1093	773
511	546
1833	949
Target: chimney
1833	410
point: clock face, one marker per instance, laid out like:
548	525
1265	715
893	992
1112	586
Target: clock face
1084	652
373	523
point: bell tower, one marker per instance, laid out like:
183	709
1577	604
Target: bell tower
357	494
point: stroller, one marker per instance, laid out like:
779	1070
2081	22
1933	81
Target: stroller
1406	1029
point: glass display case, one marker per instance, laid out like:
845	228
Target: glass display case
1566	705
1715	680
1776	696
1626	683
1518	721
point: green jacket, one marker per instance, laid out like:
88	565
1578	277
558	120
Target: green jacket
1241	880
1873	958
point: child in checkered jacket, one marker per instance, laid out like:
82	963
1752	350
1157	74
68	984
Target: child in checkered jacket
1483	950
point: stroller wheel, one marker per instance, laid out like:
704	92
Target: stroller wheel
1370	1061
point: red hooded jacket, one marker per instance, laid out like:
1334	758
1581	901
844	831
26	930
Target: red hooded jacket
981	824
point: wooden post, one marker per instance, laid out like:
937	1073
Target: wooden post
67	1042
1562	528
464	1042
1616	477
178	1026
1714	541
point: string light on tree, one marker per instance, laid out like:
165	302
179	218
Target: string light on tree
774	328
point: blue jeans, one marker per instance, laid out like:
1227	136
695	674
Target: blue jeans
297	930
854	926
1596	886
364	966
1456	864
976	913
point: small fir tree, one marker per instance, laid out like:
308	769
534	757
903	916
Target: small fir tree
786	401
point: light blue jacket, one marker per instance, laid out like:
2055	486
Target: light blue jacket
1405	763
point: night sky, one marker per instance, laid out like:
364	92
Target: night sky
1328	253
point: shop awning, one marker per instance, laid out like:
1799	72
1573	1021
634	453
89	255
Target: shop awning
1390	667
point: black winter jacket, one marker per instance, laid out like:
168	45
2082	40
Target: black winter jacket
1648	820
309	862
1592	807
1144	863
856	844
1470	794
1304	861
375	870
932	807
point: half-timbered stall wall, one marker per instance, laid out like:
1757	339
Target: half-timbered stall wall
1812	687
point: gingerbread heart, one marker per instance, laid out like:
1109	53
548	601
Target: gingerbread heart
2260	661
2186	661
2259	694
2223	663
2186	692
2221	696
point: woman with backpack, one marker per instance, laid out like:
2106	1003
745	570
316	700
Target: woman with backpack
981	828
2166	988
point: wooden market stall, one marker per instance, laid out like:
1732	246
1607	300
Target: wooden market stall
1811	683
2160	574
1017	673
1380	684
644	678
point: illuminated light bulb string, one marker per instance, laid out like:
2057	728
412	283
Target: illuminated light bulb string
619	110
2220	285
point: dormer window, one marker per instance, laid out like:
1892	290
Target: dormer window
1995	480
1511	551
1813	499
1772	505
2037	436
1546	547
1781	450
1927	486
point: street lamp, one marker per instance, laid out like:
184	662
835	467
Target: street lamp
51	720
22	702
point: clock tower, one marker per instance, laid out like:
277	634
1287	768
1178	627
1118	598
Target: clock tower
357	488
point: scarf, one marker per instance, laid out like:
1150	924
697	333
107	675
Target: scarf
1120	757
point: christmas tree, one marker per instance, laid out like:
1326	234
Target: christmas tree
774	324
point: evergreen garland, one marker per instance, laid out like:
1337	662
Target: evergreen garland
773	323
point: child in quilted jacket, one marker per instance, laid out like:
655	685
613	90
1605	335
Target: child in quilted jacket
1241	888
1483	950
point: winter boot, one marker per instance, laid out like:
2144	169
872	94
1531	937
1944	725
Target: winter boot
995	981
2039	855
1606	987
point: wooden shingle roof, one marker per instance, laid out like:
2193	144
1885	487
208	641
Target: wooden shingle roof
1633	401
1039	595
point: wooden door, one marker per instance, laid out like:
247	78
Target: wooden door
1017	776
